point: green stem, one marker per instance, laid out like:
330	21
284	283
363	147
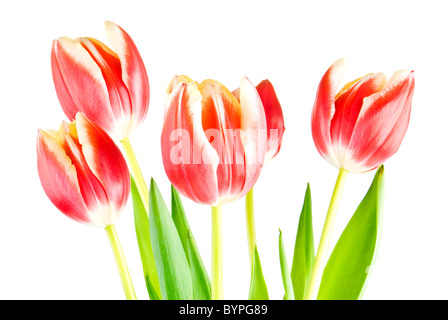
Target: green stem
217	287
250	224
136	172
121	263
321	256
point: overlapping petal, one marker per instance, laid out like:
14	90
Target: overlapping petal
134	73
379	142
253	132
79	83
105	161
324	109
221	122
190	161
58	177
275	124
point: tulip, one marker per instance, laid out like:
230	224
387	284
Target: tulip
83	172
85	176
222	141
110	88
356	130
275	128
213	148
364	124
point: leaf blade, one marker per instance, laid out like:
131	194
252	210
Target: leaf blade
171	262
258	289
287	283
141	222
200	277
202	289
304	256
351	261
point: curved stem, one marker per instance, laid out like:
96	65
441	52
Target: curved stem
250	224
321	256
136	172
121	263
217	287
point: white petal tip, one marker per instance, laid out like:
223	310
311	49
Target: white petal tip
339	64
109	25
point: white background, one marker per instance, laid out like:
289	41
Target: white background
44	255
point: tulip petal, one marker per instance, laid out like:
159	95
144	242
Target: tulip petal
176	80
221	121
253	132
190	161
219	107
59	180
347	110
92	190
73	67
133	70
173	84
67	101
324	109
107	163
372	143
275	125
120	101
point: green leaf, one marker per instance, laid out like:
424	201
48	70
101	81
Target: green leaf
171	262
200	277
141	222
258	289
201	281
180	219
352	259
287	283
303	260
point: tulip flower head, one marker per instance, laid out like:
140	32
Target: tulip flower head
213	146
110	87
275	126
83	172
364	124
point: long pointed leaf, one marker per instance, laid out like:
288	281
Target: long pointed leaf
200	277
201	282
352	259
304	256
141	222
258	289
171	262
179	218
287	283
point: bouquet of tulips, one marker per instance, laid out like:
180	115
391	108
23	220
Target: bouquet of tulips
214	143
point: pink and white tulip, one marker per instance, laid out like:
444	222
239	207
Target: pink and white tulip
110	87
213	146
83	172
364	124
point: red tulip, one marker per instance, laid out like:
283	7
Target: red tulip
83	172
275	126
213	146
110	88
364	124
